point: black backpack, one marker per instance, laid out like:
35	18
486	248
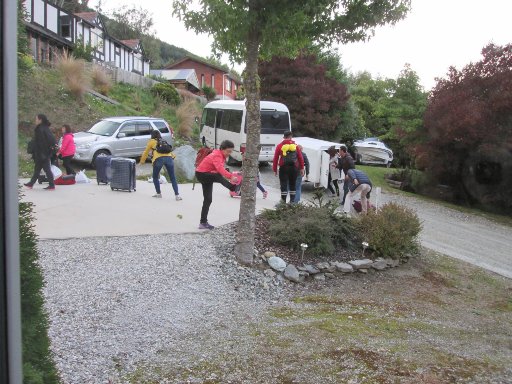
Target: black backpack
290	158
163	147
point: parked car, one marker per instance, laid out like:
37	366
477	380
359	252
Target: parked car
119	136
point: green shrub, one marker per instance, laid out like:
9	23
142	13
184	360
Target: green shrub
392	231
209	93
82	51
38	366
317	225
167	92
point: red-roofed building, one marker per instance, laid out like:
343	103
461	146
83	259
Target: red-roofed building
211	75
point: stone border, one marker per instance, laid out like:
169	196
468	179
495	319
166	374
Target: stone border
323	270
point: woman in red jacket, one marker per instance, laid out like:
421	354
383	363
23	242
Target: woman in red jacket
67	149
211	170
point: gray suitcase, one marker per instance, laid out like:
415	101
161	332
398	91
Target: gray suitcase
123	174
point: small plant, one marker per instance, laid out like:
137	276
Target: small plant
82	51
392	231
100	80
74	74
167	92
318	226
186	114
209	93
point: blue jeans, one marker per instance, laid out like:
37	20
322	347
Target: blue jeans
168	163
298	188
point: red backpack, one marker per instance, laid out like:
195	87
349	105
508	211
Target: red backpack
201	154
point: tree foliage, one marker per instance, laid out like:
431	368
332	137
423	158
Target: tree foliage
72	5
467	137
314	99
253	30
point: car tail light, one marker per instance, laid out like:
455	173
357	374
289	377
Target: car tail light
242	148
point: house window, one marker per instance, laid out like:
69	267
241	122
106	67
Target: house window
213	81
65	26
33	47
43	55
96	40
236	87
202	81
228	84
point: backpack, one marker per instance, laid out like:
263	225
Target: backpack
201	154
163	147
291	154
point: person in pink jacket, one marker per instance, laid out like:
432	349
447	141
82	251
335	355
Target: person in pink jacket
211	170
67	149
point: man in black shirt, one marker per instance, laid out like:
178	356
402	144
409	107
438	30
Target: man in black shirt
345	162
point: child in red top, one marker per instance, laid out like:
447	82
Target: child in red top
67	149
211	170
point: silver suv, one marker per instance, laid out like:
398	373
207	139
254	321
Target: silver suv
119	136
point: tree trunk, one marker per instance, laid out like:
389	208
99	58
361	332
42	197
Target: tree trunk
244	248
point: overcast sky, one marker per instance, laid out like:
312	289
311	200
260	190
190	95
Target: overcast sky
435	35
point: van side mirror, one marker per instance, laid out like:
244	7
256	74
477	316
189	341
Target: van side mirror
121	135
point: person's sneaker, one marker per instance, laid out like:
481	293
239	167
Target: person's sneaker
49	188
179	198
28	185
265	194
205	226
158	196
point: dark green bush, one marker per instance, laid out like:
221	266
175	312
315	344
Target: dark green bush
392	231
38	365
209	93
167	92
318	225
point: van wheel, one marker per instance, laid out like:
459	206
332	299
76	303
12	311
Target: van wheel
99	153
203	141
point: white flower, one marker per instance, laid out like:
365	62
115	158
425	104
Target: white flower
365	244
304	246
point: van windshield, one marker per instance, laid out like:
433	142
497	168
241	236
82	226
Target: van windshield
274	122
104	128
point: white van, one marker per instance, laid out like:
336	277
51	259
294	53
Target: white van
226	120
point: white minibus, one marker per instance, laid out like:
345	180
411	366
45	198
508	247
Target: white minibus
226	120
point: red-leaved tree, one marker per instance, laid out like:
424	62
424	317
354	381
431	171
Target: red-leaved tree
467	137
315	100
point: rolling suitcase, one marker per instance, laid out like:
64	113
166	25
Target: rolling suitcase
103	169
123	174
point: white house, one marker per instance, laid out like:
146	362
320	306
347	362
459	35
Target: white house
52	29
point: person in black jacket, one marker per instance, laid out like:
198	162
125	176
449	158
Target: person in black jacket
345	162
42	147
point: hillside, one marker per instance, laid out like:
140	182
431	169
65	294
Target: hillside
42	91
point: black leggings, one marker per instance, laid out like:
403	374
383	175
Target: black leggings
288	177
66	161
332	182
207	179
39	165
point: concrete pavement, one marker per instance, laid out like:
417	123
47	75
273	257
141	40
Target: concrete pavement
88	210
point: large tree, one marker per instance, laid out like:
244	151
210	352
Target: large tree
250	30
467	135
314	99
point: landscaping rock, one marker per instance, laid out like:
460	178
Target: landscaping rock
319	277
184	164
330	275
322	266
277	264
270	273
363	270
291	273
361	264
311	269
380	265
269	254
303	274
344	267
393	263
301	268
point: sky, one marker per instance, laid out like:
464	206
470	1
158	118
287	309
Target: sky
435	35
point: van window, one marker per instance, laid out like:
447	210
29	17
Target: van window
144	128
232	120
218	119
209	117
273	122
161	126
130	130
